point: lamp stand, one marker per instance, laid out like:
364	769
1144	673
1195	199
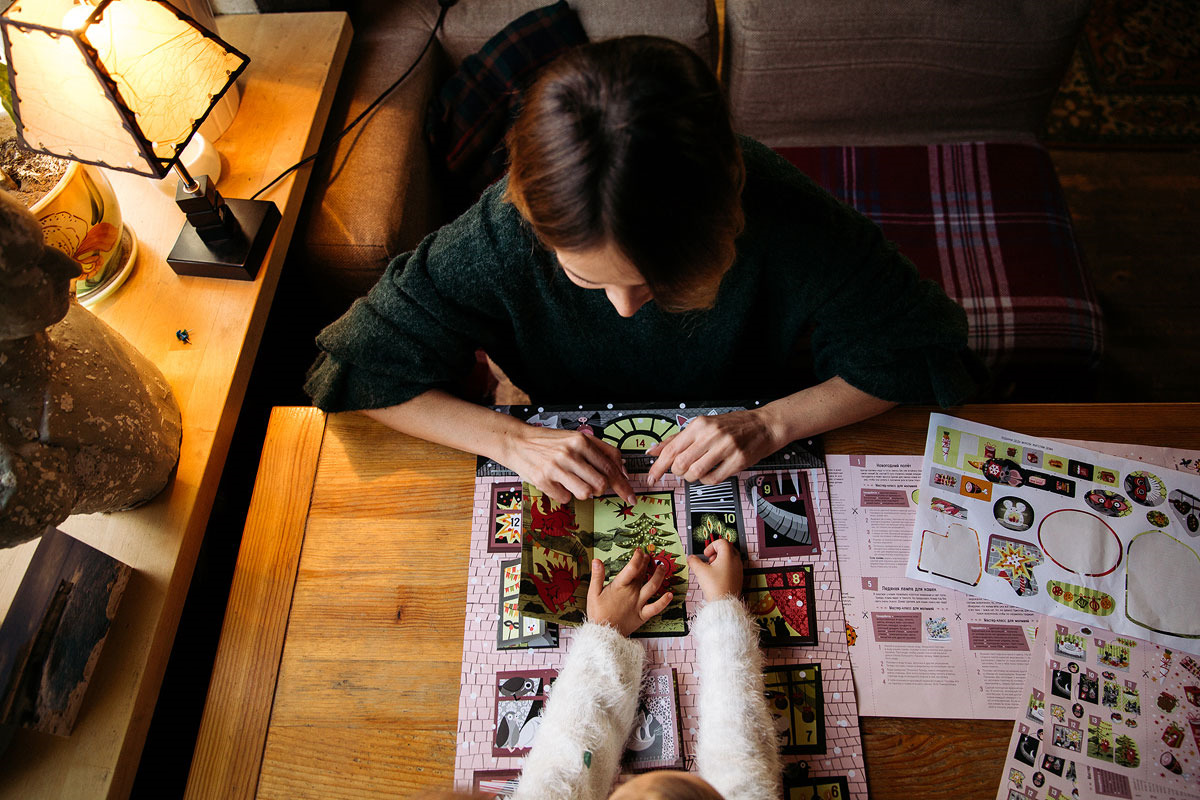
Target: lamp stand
222	238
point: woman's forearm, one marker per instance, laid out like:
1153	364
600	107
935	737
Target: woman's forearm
818	409
442	418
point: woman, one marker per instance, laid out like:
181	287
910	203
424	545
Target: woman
639	251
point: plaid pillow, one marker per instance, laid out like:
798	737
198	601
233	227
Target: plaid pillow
988	222
469	116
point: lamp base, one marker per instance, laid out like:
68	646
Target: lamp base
238	257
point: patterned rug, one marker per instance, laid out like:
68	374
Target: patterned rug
1134	80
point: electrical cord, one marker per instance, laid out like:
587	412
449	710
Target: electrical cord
445	6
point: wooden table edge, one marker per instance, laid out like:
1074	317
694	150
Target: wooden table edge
237	711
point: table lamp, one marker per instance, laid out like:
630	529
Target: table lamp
124	84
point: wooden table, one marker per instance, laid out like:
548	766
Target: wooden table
295	63
338	669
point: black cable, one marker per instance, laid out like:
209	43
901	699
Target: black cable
445	6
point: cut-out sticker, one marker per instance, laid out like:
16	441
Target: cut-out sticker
940	479
714	512
796	700
1013	560
954	554
946	507
1081	598
1187	509
1162	585
1080	542
784	509
638	434
975	488
1013	513
655	741
506	519
829	787
1145	488
520	698
1106	502
1106	476
515	630
1157	518
781	600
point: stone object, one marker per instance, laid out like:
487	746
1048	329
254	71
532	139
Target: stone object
87	423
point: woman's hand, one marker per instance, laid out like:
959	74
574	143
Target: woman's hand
566	464
625	604
721	575
710	449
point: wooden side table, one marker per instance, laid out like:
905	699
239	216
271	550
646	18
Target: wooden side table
339	664
296	60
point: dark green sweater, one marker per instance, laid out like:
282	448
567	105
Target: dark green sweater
806	264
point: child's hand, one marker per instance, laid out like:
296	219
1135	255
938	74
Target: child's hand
722	574
625	603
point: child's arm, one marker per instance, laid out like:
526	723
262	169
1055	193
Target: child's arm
737	751
587	721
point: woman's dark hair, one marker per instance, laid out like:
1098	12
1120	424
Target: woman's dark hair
629	140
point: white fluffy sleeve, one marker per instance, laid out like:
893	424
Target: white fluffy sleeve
591	710
737	751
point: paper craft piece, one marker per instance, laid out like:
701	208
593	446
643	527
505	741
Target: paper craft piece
520	698
506	519
781	599
948	508
1013	560
496	784
558	543
834	787
1086	508
954	554
796	700
784	512
1081	598
715	512
1108	503
515	631
1013	513
1145	488
637	434
655	742
1080	542
1162	588
1187	510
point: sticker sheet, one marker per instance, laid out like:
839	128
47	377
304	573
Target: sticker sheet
538	553
1071	532
1107	717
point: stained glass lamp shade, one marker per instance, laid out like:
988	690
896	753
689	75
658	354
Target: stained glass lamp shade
124	84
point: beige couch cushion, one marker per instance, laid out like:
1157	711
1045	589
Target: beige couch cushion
813	72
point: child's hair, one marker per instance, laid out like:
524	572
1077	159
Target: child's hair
666	784
629	140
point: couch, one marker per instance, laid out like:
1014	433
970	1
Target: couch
920	113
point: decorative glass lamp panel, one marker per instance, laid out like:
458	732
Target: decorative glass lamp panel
158	73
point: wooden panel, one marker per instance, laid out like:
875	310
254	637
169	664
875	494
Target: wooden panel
232	732
295	60
357	762
367	702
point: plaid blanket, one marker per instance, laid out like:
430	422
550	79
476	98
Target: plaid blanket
989	223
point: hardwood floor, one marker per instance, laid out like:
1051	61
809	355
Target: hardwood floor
1136	217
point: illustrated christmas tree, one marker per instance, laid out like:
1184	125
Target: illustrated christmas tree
654	539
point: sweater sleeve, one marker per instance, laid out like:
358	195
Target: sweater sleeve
419	326
737	751
590	710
